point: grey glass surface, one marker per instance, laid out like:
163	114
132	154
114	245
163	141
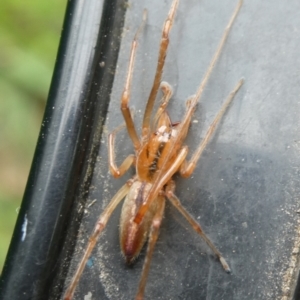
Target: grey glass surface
245	190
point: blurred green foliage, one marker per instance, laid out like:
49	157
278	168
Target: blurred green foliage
29	37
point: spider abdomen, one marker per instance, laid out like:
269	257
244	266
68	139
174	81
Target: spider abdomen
132	235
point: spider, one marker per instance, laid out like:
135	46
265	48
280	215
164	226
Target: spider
159	154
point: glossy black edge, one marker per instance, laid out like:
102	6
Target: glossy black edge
67	146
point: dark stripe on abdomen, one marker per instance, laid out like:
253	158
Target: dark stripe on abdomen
153	166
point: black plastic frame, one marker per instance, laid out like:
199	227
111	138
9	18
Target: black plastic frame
70	132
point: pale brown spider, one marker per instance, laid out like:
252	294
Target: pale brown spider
159	154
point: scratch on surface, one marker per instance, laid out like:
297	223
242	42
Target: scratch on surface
24	228
89	205
209	282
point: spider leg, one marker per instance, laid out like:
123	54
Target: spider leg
100	225
187	168
128	161
154	232
159	69
192	102
218	52
196	226
126	93
167	91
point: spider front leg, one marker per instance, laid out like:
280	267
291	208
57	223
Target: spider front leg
168	92
187	168
159	69
196	226
100	225
128	161
218	51
126	93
